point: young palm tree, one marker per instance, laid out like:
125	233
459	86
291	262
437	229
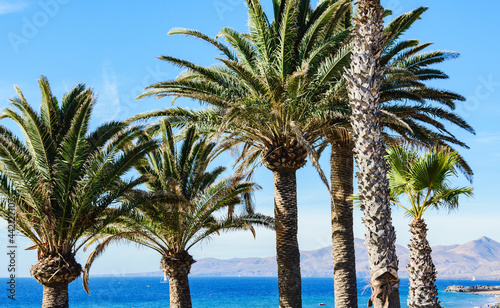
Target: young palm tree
188	213
424	181
270	80
64	180
364	78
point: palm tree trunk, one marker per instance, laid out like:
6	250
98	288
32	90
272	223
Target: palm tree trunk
421	269
180	296
344	262
363	79
55	272
177	267
55	296
287	247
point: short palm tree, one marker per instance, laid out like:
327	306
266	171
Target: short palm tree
269	81
364	78
64	180
424	180
196	205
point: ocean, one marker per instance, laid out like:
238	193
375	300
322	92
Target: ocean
216	292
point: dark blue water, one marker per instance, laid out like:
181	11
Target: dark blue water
220	292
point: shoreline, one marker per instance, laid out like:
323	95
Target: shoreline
491	292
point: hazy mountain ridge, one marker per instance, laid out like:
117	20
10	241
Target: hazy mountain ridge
479	258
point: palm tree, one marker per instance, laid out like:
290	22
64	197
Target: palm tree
424	181
270	80
364	78
64	180
411	112
189	211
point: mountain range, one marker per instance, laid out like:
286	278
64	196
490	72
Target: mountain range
479	259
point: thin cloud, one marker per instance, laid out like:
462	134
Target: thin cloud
6	92
108	105
488	138
7	7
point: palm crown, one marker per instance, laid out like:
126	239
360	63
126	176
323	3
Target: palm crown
64	178
424	180
183	204
410	109
276	74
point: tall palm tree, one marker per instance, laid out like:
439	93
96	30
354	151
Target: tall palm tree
64	180
189	213
411	112
364	78
269	81
424	181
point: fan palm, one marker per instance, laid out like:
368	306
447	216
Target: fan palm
269	81
64	180
425	181
188	213
364	78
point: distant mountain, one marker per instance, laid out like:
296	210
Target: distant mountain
479	258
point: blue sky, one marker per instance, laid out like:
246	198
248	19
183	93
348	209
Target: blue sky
111	46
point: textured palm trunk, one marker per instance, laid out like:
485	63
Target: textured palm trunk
177	267
180	296
344	262
421	270
284	159
55	273
363	79
287	246
55	296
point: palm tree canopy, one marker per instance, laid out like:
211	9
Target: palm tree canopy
185	203
412	112
64	178
272	77
424	179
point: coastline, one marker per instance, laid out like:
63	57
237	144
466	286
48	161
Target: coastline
223	292
491	292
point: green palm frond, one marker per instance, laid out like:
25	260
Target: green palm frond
400	25
424	179
183	200
63	177
281	74
206	38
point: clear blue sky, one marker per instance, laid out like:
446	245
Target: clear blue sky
111	46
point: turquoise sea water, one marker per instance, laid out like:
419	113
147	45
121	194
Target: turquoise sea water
219	292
